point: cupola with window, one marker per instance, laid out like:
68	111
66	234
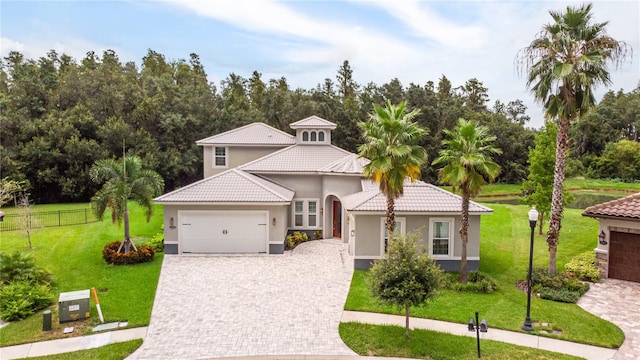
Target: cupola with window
313	131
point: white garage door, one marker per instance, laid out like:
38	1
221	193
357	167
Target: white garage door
223	231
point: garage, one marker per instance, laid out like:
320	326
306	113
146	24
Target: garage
624	256
223	231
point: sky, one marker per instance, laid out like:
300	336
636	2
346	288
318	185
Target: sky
307	41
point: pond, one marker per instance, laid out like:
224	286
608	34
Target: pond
581	200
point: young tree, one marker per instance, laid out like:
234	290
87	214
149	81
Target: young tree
27	221
467	162
406	276
124	180
538	187
565	63
390	143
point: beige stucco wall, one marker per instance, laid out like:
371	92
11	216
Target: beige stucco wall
236	156
368	234
277	232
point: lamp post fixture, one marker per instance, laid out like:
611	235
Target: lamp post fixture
533	218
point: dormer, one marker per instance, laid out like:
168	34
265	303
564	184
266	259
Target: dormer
313	131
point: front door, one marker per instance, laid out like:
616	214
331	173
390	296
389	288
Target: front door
337	219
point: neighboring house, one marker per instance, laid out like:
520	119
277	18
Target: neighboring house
618	251
261	184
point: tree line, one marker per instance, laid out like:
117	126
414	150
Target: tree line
59	115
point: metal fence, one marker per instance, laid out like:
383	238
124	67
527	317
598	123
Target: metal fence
43	219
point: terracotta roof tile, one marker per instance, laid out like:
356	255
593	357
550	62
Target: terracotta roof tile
418	197
297	158
253	134
627	207
231	186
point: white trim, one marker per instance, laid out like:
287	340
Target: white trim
305	213
452	225
181	213
214	156
403	230
414	213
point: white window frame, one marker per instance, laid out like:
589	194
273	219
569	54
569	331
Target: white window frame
226	157
321	136
383	229
313	137
305	136
452	225
305	214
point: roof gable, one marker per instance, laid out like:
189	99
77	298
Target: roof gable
313	122
252	134
627	207
296	159
417	197
231	186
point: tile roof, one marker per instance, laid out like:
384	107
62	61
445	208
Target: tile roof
418	197
252	134
297	158
627	207
231	186
313	122
350	164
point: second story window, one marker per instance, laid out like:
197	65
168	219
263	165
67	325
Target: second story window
219	156
305	136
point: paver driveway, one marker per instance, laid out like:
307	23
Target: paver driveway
619	302
221	306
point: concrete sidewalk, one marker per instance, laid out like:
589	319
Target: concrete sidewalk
60	346
588	352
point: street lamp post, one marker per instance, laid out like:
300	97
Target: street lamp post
533	218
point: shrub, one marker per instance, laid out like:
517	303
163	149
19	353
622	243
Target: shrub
562	287
477	282
584	267
20	267
560	295
157	242
317	235
295	239
111	255
20	299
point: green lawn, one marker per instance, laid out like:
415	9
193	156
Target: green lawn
504	251
389	341
73	254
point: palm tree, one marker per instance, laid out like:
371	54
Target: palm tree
467	162
565	62
124	180
390	143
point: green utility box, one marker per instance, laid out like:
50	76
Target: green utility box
74	306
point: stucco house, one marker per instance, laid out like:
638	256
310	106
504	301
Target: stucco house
618	250
261	183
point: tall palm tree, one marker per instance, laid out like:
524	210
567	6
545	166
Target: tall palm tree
124	180
390	143
564	63
467	166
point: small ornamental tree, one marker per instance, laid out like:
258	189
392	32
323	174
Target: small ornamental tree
406	276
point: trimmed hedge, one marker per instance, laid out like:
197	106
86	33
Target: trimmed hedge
111	255
295	239
477	282
562	287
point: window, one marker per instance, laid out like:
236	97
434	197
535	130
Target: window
321	136
399	230
219	156
298	213
305	136
305	213
313	136
441	237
